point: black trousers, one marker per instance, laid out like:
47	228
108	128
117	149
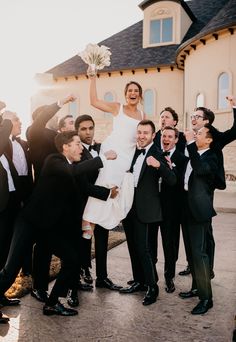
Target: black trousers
195	239
170	233
138	241
7	219
42	255
101	245
23	236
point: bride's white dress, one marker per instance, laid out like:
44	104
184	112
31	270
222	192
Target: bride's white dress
122	139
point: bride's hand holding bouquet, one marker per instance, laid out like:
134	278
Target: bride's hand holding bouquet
97	57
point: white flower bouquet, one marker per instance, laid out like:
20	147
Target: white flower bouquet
97	57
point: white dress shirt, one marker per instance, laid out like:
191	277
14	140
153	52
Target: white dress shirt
5	164
138	165
19	159
189	169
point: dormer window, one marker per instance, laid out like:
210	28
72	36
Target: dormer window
165	23
161	30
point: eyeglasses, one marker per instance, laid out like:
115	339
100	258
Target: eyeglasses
196	117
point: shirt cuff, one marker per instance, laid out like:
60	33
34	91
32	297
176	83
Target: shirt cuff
103	158
190	142
59	104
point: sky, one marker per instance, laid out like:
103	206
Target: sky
36	35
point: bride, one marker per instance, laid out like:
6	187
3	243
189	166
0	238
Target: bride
122	139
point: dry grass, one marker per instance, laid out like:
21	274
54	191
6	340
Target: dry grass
22	285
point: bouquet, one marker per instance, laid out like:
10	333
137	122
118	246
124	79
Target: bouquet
97	57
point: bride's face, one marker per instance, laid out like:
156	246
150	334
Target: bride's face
132	94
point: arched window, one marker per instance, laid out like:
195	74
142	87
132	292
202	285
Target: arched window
73	108
108	97
200	100
223	90
148	98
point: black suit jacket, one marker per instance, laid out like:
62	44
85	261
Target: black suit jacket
201	183
147	195
5	131
181	143
220	140
85	183
40	138
172	196
54	202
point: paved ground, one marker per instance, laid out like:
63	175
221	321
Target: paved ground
109	316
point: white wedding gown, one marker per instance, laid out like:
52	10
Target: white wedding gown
122	139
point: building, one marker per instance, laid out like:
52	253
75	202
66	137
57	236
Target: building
183	55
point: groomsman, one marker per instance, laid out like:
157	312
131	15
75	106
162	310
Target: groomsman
17	185
199	184
41	138
169	117
66	123
9	202
199	118
171	201
51	212
147	166
85	126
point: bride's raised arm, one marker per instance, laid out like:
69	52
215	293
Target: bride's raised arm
108	107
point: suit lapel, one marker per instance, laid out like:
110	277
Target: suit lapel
149	153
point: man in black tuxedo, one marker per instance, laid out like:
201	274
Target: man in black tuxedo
17	184
51	213
169	117
66	123
171	201
199	118
85	126
41	136
17	150
147	166
200	178
9	201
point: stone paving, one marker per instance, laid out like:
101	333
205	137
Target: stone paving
106	315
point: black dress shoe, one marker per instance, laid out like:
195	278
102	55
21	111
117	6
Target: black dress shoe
40	295
85	287
185	272
87	276
3	319
151	295
188	294
135	287
107	284
72	298
4	301
170	286
58	309
202	307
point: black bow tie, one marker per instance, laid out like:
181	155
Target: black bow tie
165	153
141	151
13	138
92	147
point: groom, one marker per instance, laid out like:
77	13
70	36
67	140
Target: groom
148	166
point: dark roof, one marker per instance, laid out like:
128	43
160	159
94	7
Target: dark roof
126	46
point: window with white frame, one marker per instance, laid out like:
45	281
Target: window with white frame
149	102
73	109
200	100
161	30
223	90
